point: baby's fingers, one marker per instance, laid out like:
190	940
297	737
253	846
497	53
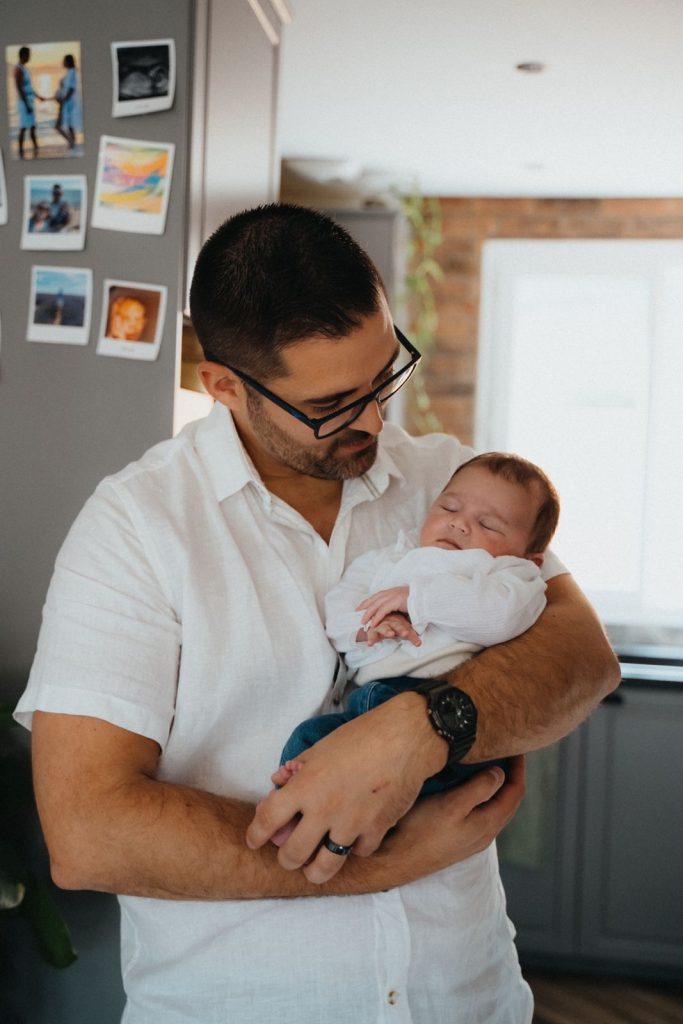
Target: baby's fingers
406	632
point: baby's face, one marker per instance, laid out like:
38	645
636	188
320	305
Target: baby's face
480	510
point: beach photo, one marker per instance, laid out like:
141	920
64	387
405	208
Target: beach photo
132	319
59	306
143	76
54	211
44	100
132	185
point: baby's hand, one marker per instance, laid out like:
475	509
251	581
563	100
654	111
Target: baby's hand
392	627
382	603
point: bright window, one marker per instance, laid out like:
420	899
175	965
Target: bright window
581	370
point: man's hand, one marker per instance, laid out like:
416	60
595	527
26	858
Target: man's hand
391	627
449	827
381	604
355	783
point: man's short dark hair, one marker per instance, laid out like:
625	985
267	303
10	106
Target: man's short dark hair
24	53
273	275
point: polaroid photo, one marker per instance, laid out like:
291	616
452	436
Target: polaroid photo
44	100
143	76
54	211
133	185
133	316
3	192
59	307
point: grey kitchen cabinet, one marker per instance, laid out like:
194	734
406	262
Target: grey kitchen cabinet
538	851
632	855
606	890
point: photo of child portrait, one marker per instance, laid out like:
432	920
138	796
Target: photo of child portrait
44	100
54	211
132	319
59	307
143	76
132	186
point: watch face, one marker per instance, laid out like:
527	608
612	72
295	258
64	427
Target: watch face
458	711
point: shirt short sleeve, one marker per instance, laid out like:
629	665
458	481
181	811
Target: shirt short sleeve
552	566
109	643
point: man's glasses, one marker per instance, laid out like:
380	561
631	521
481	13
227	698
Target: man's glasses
325	426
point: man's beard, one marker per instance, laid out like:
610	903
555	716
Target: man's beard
325	464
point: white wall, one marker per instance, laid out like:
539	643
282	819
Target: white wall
430	89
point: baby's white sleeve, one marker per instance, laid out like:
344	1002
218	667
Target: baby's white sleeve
342	621
496	601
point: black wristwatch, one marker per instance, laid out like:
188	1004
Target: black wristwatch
453	715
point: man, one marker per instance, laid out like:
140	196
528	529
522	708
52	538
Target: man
59	210
182	641
26	98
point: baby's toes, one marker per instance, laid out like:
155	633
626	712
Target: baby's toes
281	777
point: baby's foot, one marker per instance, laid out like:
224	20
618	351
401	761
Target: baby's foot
280	778
285	772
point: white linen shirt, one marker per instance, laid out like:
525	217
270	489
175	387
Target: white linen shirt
458	603
187	606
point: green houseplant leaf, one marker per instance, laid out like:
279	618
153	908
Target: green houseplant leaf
21	892
51	933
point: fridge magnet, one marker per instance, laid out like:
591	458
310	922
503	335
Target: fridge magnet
144	76
3	192
44	100
59	307
132	322
54	211
132	186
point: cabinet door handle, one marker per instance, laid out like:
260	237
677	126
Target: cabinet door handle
616	697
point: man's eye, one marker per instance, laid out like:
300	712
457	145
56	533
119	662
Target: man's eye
323	409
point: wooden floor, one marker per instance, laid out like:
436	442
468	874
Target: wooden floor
569	999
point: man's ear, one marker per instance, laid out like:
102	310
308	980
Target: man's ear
537	559
221	383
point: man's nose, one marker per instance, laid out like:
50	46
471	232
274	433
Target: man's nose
370	419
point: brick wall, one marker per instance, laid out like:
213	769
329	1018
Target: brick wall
469	222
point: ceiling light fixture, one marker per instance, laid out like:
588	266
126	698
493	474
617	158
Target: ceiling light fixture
531	67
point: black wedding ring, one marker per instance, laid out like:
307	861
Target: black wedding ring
342	851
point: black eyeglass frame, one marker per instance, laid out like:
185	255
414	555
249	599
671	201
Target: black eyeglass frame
315	423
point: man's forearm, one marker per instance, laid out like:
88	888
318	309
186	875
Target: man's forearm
535	689
167	841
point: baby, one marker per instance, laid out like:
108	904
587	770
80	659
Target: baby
471	578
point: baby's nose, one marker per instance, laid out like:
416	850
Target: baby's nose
459	524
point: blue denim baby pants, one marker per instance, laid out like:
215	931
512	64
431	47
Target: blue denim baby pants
363	699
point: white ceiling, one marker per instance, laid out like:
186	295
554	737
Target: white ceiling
428	90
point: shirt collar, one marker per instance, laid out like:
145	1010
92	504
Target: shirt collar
383	468
225	459
230	468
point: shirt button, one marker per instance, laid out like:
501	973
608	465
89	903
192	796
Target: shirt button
392	997
336	701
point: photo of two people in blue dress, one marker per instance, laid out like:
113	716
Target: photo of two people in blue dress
44	100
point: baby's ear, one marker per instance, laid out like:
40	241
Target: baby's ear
537	559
